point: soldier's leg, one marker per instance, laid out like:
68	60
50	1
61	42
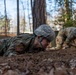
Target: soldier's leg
59	42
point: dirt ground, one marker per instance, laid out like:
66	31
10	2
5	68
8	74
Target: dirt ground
61	62
51	62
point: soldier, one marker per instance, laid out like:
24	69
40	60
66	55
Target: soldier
66	36
21	44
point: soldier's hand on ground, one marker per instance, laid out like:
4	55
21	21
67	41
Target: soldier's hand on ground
52	48
65	44
65	47
19	48
73	45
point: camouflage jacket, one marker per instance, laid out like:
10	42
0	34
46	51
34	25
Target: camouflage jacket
24	43
66	35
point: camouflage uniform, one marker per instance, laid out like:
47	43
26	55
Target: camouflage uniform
10	46
66	36
25	42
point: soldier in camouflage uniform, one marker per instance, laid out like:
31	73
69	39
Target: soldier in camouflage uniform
21	44
66	36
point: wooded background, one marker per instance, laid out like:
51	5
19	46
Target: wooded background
41	13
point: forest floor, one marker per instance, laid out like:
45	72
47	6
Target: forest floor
51	62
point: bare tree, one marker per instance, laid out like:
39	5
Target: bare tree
5	17
18	17
23	20
38	12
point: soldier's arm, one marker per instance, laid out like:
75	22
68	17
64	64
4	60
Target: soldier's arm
59	42
69	38
10	51
68	41
9	54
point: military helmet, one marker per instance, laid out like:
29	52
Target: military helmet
45	31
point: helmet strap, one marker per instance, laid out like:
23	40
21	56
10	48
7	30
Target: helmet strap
40	40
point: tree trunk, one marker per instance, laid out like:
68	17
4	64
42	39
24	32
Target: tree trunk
18	17
24	23
38	12
5	18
